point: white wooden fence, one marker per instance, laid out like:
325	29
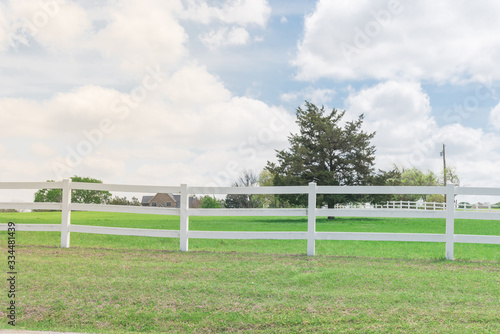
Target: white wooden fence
413	205
184	234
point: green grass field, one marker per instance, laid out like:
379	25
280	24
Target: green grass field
398	250
121	284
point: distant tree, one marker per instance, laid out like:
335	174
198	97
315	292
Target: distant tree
416	177
327	150
384	178
246	179
135	201
451	176
210	202
438	198
89	196
8	210
266	180
77	195
48	195
118	201
124	201
467	205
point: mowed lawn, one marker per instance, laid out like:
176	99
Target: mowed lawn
119	284
398	250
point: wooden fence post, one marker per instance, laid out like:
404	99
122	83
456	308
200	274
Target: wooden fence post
450	220
311	220
184	205
65	213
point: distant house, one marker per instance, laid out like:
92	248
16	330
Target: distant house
163	200
168	201
146	199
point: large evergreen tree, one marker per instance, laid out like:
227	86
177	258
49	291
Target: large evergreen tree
327	150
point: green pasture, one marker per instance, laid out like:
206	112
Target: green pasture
121	284
383	249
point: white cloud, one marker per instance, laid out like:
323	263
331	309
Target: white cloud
319	96
224	36
400	113
393	100
52	23
142	33
64	114
234	15
132	33
283	20
21	111
216	125
104	167
407	134
190	105
388	39
42	150
474	152
191	115
289	96
241	12
151	151
15	169
4	28
472	144
82	108
194	86
495	117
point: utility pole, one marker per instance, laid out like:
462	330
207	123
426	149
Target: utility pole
444	168
444	164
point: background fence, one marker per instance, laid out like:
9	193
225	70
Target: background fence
395	205
418	205
311	212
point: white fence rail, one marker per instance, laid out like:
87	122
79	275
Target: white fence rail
407	205
447	212
418	205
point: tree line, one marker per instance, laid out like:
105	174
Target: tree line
84	196
327	150
330	150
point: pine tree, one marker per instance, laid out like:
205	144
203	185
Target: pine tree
328	151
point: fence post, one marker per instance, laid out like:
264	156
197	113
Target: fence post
184	205
311	219
450	220
65	213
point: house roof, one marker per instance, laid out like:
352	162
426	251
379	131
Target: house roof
175	197
146	199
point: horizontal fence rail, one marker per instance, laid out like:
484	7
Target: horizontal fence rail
396	209
413	205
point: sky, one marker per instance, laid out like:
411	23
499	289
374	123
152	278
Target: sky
169	92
